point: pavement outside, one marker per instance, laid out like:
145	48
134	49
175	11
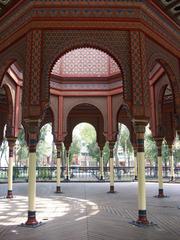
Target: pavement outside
85	211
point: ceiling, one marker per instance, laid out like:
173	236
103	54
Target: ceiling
170	7
5	5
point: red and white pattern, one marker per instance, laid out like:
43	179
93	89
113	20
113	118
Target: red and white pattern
85	62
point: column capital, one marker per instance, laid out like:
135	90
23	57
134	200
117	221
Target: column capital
11	144
139	125
33	128
11	141
111	148
170	146
159	141
59	148
139	128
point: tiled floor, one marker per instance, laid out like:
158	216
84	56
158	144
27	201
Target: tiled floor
87	212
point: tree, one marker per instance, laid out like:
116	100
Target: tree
44	147
123	140
106	154
150	149
94	151
22	150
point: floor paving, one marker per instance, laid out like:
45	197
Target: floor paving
85	211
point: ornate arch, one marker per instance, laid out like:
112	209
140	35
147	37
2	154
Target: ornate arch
96	121
58	43
169	68
10	116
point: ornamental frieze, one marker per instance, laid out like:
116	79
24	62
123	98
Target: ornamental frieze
29	10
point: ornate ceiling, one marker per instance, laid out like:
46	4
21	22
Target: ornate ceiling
170	7
5	5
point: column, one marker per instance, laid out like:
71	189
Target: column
101	165
160	167
58	166
33	132
139	127
171	163
11	143
135	165
67	166
111	166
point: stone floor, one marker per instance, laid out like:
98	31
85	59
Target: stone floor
87	212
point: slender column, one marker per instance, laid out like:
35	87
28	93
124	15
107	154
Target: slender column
139	127
171	162
58	165
135	165
101	166
111	166
11	143
160	167
33	131
67	166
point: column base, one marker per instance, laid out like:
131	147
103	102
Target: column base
9	194
101	178
67	179
111	189
31	219
142	218
172	179
58	189
161	194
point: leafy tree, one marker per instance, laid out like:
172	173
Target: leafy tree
106	154
22	150
94	151
123	140
150	149
74	149
3	152
44	147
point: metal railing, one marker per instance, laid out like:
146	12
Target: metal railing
85	173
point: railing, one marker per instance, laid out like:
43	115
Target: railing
85	173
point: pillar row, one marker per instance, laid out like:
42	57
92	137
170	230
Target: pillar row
139	127
11	143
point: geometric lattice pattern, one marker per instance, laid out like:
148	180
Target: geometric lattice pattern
136	68
85	62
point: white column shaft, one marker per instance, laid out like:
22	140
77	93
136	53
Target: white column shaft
111	165
58	171
141	181
32	182
160	176
10	173
101	167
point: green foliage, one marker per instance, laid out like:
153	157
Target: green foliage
87	133
106	154
44	147
74	149
22	150
94	150
165	153
84	134
150	149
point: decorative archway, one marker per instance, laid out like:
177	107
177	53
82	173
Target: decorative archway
89	114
